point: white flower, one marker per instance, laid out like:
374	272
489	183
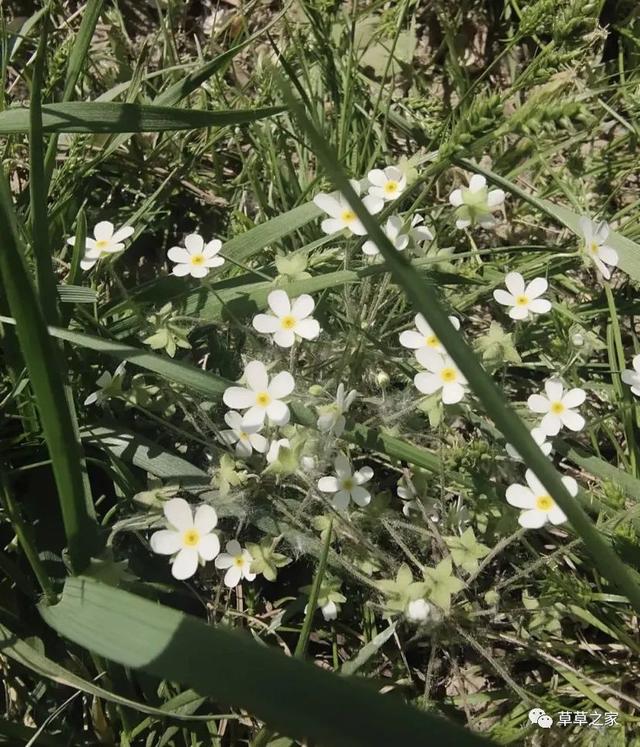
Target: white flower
331	418
105	241
419	231
246	438
539	507
418	611
190	538
261	398
441	374
633	377
196	258
539	436
290	319
274	449
523	300
341	214
387	184
409	500
346	484
595	248
422	336
393	231
108	385
238	561
475	203
329	611
558	407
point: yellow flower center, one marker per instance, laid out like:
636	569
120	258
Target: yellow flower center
263	399
102	244
448	375
432	341
544	503
239	561
521	300
348	483
593	247
244	436
557	408
348	216
197	259
288	322
191	538
390	187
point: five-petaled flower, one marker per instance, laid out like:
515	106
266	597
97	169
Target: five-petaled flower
290	319
632	378
331	417
108	385
558	407
189	538
105	241
423	336
341	214
387	184
346	485
442	374
475	203
238	562
261	397
246	438
595	246
196	258
523	300
538	506
393	231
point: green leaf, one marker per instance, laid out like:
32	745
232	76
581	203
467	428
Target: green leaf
107	117
369	650
425	300
233	669
466	551
45	366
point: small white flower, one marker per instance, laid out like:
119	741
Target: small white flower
329	611
238	561
290	319
474	203
331	417
409	500
393	231
632	378
189	538
387	184
196	258
418	611
442	374
539	507
261	398
274	449
108	385
422	336
523	300
105	241
419	231
245	438
595	248
540	437
558	407
346	484
340	213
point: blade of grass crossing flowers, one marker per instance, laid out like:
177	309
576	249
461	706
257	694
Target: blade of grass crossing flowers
425	300
289	695
43	362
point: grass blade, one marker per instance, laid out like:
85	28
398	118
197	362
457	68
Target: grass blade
425	300
235	670
107	117
44	365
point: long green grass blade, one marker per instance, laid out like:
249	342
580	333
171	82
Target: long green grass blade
425	300
107	117
290	696
44	366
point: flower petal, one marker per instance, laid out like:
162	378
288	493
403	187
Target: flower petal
253	417
180	270
540	306
123	233
495	198
536	288
208	547
258	442
452	393
166	542
532	519
328	484
556	515
185	563
232	576
238	397
455	198
302	306
520	496
574	398
572	420
178	514
205	518
477	182
551	424
178	254
412	339
278	412
308	329
329	204
538	403
103	231
212	248
554	389
279	303
515	283
360	496
266	323
284	338
570	484
194	243
224	560
281	385
427	383
256	376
